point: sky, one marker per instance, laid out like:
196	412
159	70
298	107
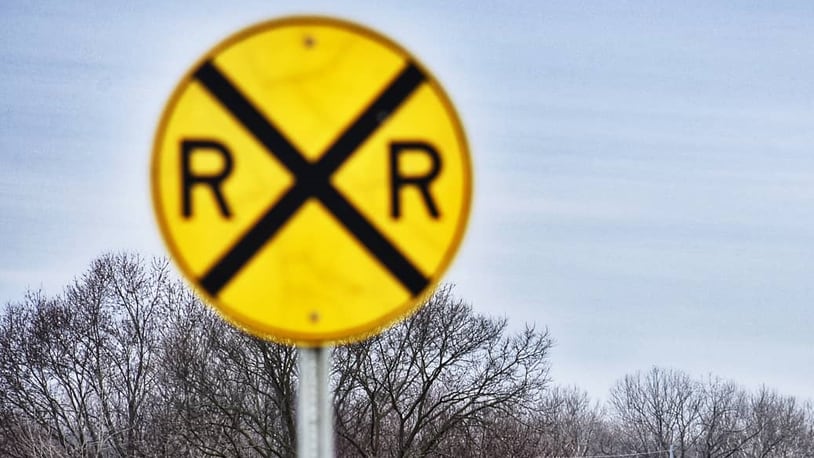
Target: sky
644	173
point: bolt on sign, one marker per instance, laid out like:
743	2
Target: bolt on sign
311	179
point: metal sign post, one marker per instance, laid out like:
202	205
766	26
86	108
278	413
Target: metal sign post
315	427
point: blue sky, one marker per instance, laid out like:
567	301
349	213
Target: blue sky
644	170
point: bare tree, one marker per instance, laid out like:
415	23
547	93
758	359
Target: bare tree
806	440
79	370
572	425
120	302
723	418
776	424
233	393
711	419
657	410
438	377
47	393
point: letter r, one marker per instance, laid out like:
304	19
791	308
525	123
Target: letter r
397	180
213	181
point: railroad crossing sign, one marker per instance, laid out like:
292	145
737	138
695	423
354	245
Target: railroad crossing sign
311	179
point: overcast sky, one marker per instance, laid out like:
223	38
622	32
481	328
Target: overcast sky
644	173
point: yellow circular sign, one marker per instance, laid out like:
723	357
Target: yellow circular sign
311	179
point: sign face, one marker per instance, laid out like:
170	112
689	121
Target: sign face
311	179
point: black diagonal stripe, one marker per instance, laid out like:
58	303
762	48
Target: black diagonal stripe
373	116
380	247
251	242
241	108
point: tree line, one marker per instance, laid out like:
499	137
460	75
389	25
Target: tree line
127	362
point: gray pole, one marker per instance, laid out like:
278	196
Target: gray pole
671	451
315	426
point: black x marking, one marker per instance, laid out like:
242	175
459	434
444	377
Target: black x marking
311	179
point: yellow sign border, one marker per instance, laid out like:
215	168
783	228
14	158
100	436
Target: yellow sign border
283	335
